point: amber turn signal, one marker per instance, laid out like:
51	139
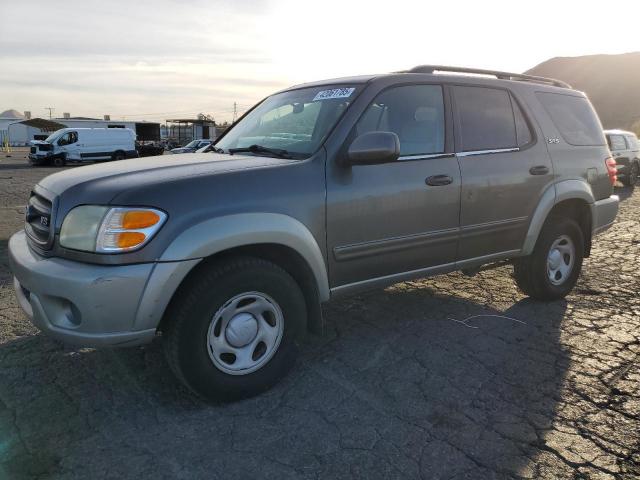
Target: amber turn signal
138	219
129	239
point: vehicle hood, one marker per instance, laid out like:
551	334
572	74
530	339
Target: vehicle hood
127	174
38	142
181	150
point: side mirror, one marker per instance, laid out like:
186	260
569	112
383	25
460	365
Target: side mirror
374	147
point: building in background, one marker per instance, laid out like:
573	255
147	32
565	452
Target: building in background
182	131
20	130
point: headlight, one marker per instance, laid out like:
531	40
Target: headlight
93	228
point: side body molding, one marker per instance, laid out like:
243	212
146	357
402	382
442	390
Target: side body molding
556	193
223	233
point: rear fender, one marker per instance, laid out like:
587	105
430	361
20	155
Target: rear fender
556	193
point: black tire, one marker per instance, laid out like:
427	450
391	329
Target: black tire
119	155
186	334
631	180
59	161
531	272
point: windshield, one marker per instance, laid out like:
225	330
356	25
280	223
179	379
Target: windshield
296	121
193	143
54	136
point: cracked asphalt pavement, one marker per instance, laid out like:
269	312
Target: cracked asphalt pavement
449	377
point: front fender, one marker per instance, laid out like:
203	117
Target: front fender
223	233
554	194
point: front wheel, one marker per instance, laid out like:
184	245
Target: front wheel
59	161
233	330
118	156
552	270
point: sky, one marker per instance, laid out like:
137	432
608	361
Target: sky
159	59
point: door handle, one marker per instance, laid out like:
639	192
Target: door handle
438	180
539	170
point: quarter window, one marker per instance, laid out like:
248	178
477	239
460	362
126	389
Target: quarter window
574	117
616	142
632	141
486	119
415	113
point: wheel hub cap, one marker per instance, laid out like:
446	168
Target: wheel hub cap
245	333
241	330
555	257
560	260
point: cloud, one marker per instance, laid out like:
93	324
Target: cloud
124	56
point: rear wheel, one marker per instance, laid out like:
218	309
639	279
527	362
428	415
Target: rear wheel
234	328
631	180
552	270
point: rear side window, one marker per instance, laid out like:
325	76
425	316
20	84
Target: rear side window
415	113
574	118
616	142
632	141
485	118
523	132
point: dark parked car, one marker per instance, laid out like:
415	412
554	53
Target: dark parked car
149	149
320	190
626	150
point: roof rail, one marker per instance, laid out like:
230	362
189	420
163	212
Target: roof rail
495	73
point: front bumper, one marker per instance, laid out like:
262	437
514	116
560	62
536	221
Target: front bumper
35	157
603	213
92	305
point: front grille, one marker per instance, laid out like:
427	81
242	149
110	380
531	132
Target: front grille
38	223
33	149
45	147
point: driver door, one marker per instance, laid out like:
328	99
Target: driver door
68	144
393	220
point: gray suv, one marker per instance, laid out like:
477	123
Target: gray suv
626	151
320	190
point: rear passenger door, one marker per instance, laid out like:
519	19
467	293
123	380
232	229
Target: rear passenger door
504	171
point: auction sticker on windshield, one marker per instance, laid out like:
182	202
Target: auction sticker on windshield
334	93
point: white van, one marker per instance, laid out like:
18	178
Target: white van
84	144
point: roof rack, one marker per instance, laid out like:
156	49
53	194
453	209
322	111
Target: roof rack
495	73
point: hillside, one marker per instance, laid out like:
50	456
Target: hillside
611	81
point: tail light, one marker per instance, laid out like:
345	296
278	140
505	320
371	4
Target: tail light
611	170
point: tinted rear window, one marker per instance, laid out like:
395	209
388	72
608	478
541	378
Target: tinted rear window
523	132
574	118
486	118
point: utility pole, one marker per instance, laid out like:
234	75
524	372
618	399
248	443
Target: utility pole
235	111
51	109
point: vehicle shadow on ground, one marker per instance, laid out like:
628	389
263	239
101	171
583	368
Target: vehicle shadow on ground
406	382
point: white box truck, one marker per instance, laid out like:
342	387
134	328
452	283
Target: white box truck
84	144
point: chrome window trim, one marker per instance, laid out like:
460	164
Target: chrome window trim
425	156
487	152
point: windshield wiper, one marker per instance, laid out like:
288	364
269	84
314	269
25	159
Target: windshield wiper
278	152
